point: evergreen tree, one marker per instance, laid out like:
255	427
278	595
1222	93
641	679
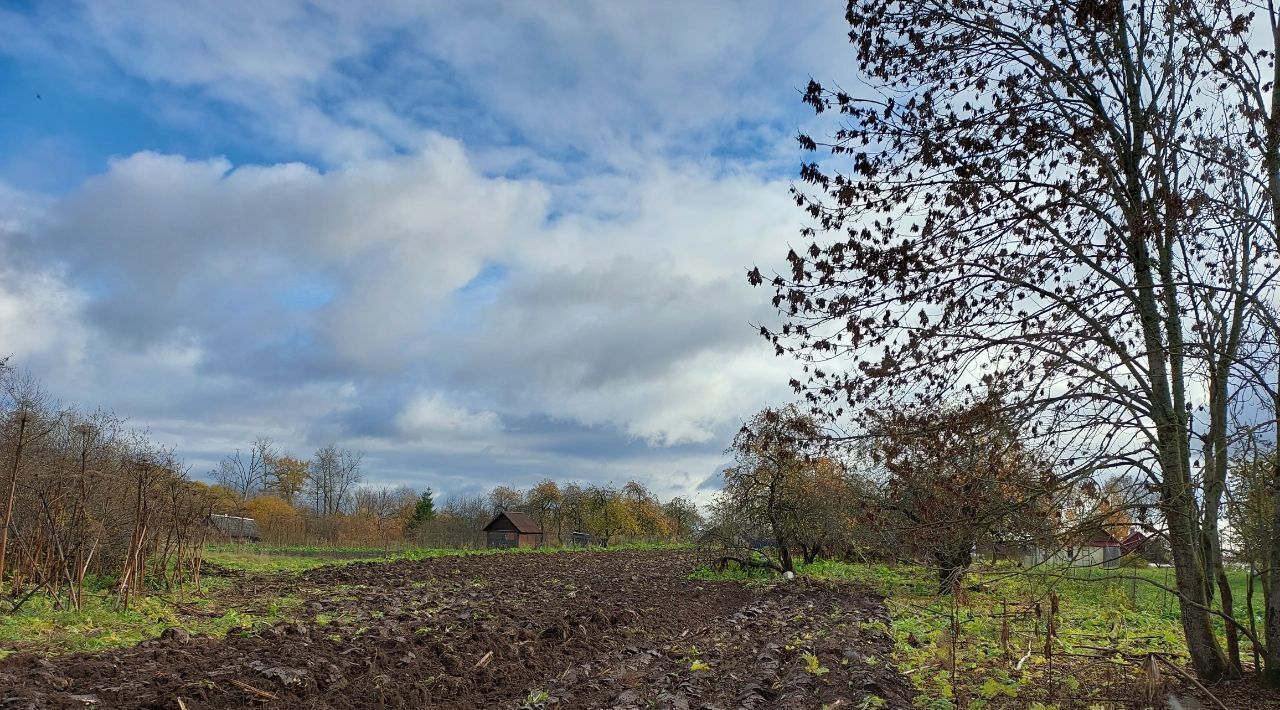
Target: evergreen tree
425	509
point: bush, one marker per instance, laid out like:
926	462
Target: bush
1133	561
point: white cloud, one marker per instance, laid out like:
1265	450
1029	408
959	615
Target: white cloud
611	82
40	320
372	249
637	319
641	320
433	414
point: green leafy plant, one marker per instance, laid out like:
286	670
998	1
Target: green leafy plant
812	665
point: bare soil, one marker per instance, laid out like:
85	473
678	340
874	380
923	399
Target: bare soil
571	630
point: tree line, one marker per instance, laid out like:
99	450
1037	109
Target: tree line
605	514
316	500
87	503
323	500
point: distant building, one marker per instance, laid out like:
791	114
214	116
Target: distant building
581	539
233	528
1100	548
513	529
1093	548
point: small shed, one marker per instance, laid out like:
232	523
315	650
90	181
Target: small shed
581	539
233	528
511	528
1093	548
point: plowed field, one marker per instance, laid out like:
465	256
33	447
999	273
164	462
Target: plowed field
571	630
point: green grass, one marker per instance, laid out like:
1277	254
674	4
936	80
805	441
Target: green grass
267	559
1115	609
40	627
261	562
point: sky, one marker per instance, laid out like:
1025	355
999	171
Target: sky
484	243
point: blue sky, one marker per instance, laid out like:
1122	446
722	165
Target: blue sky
482	242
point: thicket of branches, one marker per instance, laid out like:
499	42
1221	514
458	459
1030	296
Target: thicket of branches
921	485
320	500
781	493
88	501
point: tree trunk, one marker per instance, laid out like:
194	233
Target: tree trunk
1270	674
1189	571
784	555
951	566
811	553
1162	335
1271	622
1215	479
1233	633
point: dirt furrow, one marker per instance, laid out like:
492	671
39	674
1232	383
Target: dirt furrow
616	629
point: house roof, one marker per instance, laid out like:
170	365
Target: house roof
233	526
1100	538
1133	541
523	522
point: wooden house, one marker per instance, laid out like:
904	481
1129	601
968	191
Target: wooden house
511	528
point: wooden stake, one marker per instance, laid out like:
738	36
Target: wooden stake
252	690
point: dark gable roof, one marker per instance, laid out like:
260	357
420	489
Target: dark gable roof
525	524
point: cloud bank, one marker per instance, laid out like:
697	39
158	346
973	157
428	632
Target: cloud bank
484	243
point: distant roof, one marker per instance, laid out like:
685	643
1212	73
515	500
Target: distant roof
233	526
1101	538
1133	541
523	522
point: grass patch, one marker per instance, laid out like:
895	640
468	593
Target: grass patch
964	652
267	559
40	627
264	562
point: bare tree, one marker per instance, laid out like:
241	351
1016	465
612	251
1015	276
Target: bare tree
1025	204
1241	39
505	498
771	453
247	475
25	408
89	497
333	474
381	501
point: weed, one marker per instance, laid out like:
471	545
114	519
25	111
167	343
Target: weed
536	698
812	665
